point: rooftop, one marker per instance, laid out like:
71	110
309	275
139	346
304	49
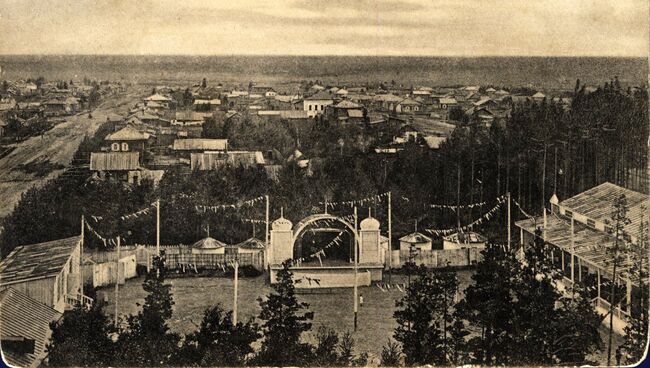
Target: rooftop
200	144
251	243
415	238
114	161
128	133
21	316
597	203
28	262
208	243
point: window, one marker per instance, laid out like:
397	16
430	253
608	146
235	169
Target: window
115	147
568	214
309	107
609	229
125	146
591	223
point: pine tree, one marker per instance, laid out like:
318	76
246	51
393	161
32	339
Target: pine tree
285	319
82	338
636	331
218	342
425	316
620	221
391	355
148	341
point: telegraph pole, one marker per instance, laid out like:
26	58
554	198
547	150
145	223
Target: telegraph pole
158	227
390	235
81	257
356	245
117	281
509	232
234	307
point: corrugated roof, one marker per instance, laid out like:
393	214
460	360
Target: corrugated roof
215	160
128	133
21	316
40	260
200	144
597	203
114	161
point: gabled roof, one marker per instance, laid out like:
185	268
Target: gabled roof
200	144
467	237
448	101
345	104
597	203
320	95
389	97
158	97
34	261
408	101
24	317
114	161
209	243
355	113
251	243
539	95
128	133
415	238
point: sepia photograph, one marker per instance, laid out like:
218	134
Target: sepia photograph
324	183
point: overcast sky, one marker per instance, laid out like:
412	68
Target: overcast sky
315	27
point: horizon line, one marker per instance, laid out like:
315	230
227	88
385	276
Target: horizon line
337	55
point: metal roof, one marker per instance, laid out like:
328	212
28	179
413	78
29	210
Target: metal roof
597	203
28	262
200	144
21	316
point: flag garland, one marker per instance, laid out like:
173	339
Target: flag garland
321	253
252	221
455	207
105	241
144	211
487	216
522	210
359	202
215	208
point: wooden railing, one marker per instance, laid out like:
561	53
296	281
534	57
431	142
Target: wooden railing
72	300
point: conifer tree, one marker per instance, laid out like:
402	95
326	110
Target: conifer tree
285	319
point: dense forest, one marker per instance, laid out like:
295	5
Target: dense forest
542	148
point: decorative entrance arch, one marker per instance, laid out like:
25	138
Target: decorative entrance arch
284	236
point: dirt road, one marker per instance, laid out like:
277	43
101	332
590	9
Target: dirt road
57	146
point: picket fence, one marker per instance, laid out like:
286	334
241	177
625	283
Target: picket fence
439	257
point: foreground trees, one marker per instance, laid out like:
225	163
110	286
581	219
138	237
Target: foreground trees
519	316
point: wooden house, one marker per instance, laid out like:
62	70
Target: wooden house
128	139
117	165
47	272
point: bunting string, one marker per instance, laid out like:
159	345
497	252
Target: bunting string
219	207
129	216
105	241
321	253
487	216
455	207
359	202
522	210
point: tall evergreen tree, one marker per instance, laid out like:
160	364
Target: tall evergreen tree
147	341
285	319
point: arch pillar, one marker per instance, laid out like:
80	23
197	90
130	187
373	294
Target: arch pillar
369	241
281	247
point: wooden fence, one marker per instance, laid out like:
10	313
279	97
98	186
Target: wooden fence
439	257
213	261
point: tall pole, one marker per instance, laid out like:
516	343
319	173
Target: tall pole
81	256
573	249
158	227
117	281
266	234
356	244
544	177
234	305
458	195
555	172
390	234
509	230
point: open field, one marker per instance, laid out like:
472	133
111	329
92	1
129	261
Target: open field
192	295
